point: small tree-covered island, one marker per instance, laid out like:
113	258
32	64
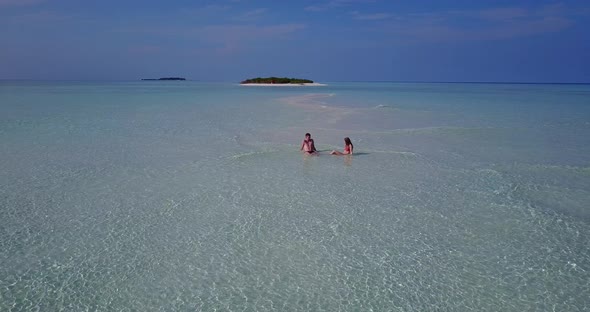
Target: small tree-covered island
276	80
165	78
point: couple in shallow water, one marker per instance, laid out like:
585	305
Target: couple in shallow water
308	146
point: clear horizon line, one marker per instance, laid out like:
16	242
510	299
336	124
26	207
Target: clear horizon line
327	81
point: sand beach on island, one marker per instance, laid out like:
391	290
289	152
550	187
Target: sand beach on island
314	84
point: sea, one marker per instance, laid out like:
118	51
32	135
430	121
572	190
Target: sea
194	196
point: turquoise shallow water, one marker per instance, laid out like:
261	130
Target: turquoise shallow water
193	196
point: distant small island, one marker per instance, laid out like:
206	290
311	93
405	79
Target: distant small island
276	80
165	78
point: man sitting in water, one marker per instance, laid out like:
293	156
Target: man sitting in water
307	145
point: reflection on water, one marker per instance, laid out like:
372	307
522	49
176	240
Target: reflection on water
347	160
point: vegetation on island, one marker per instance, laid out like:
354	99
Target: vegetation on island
276	80
165	78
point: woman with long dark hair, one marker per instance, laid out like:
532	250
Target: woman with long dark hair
347	148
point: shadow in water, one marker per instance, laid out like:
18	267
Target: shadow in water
328	152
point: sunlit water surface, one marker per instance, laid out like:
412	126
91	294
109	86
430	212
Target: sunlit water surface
184	196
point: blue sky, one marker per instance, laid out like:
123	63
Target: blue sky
332	40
